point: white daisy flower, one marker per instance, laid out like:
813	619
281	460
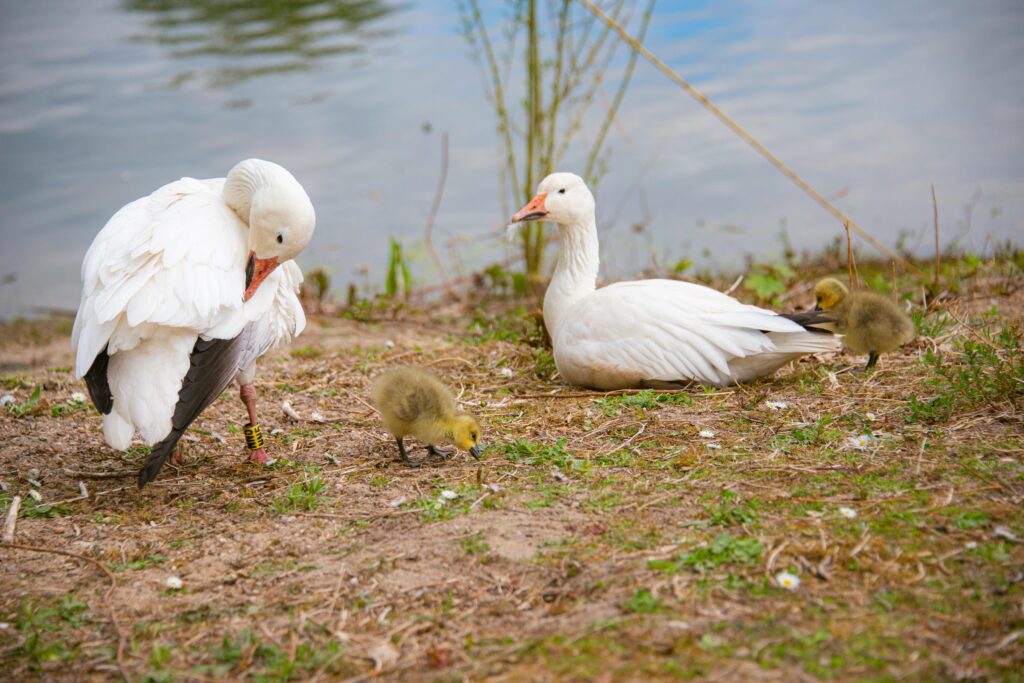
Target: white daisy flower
388	344
316	417
971	545
787	580
398	502
849	513
505	372
6	400
714	446
492	487
35	495
870	417
4	626
706	434
862	442
448	494
77	397
776	405
174	583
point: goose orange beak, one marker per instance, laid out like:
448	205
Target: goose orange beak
256	271
533	211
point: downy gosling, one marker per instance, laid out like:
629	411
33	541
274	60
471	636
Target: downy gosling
414	402
872	323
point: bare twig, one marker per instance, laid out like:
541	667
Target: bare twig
433	213
734	285
938	253
616	392
12	519
736	128
849	252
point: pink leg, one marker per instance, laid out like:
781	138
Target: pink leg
248	393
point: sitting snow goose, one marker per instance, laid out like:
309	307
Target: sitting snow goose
651	332
182	291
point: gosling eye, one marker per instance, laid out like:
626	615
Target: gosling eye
562	191
473	435
280	238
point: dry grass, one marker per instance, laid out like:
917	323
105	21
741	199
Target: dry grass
601	538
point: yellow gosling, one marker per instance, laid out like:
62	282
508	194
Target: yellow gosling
871	323
414	402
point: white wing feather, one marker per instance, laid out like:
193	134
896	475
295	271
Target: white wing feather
665	330
165	270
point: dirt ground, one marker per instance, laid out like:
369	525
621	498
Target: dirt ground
643	536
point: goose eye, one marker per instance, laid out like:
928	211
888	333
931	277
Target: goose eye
562	191
280	238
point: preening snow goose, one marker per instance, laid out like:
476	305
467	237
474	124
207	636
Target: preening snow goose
182	291
650	332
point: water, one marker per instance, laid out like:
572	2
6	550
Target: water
102	102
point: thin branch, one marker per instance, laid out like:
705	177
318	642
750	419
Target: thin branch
12	519
499	92
938	254
849	252
438	194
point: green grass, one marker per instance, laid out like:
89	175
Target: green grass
474	544
643	602
307	352
984	371
641	401
302	496
24	408
150	560
549	455
43	628
729	510
724	550
438	508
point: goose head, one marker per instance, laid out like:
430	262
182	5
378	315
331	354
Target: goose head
561	198
278	211
828	293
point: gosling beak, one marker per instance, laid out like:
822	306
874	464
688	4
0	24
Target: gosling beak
475	452
533	211
256	271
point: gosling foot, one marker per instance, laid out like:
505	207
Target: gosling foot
406	460
437	454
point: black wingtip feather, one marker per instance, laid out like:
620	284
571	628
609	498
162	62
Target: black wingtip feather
96	382
157	457
810	319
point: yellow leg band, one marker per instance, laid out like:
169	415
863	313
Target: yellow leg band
253	437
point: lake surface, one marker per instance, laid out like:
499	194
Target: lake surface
102	102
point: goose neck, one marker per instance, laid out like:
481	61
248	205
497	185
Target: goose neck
575	272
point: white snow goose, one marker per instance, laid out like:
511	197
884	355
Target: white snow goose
182	291
651	332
